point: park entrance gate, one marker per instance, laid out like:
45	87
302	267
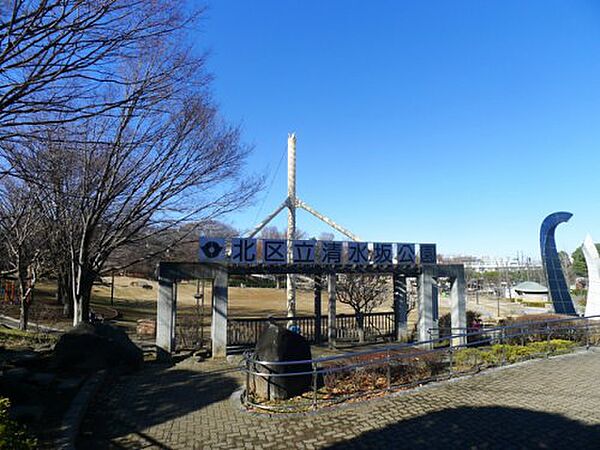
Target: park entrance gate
169	273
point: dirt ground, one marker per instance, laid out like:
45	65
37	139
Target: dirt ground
246	302
135	298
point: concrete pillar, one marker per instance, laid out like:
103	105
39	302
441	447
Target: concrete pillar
331	331
318	328
218	329
400	307
458	306
166	308
425	321
435	310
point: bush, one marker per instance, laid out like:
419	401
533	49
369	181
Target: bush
539	331
468	359
475	359
406	370
12	435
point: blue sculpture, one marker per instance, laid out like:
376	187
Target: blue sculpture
557	286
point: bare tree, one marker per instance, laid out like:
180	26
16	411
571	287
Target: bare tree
161	159
178	244
21	233
61	60
363	292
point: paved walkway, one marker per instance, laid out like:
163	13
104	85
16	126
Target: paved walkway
550	404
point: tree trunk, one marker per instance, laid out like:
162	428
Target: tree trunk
360	321
24	314
82	293
22	290
64	293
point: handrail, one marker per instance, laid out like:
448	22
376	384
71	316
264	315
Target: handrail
401	346
400	369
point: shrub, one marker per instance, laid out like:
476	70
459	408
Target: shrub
539	331
12	435
469	359
405	370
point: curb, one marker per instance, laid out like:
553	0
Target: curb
71	422
11	322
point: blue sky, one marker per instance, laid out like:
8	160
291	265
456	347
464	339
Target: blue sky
462	123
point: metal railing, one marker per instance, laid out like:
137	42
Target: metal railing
335	379
246	331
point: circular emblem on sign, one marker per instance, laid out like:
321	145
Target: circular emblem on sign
212	249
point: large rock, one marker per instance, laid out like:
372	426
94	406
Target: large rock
97	346
278	344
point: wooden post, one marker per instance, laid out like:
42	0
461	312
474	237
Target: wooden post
331	331
318	280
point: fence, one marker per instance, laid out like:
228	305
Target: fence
339	378
8	291
245	331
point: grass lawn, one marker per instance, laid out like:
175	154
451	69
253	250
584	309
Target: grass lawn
133	301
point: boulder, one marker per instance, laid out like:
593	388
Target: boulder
277	344
96	346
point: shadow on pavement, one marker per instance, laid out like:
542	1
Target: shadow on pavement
157	394
481	428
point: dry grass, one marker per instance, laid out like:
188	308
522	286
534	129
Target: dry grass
247	302
136	302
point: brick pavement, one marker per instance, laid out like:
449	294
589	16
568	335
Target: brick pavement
551	404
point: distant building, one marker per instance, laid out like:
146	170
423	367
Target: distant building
488	263
530	290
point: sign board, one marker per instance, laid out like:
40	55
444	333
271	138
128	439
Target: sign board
358	253
405	254
212	249
244	250
304	252
330	252
427	254
382	253
275	251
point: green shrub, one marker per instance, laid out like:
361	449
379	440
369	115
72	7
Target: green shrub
554	346
12	435
469	359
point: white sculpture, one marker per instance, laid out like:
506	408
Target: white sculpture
592	261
